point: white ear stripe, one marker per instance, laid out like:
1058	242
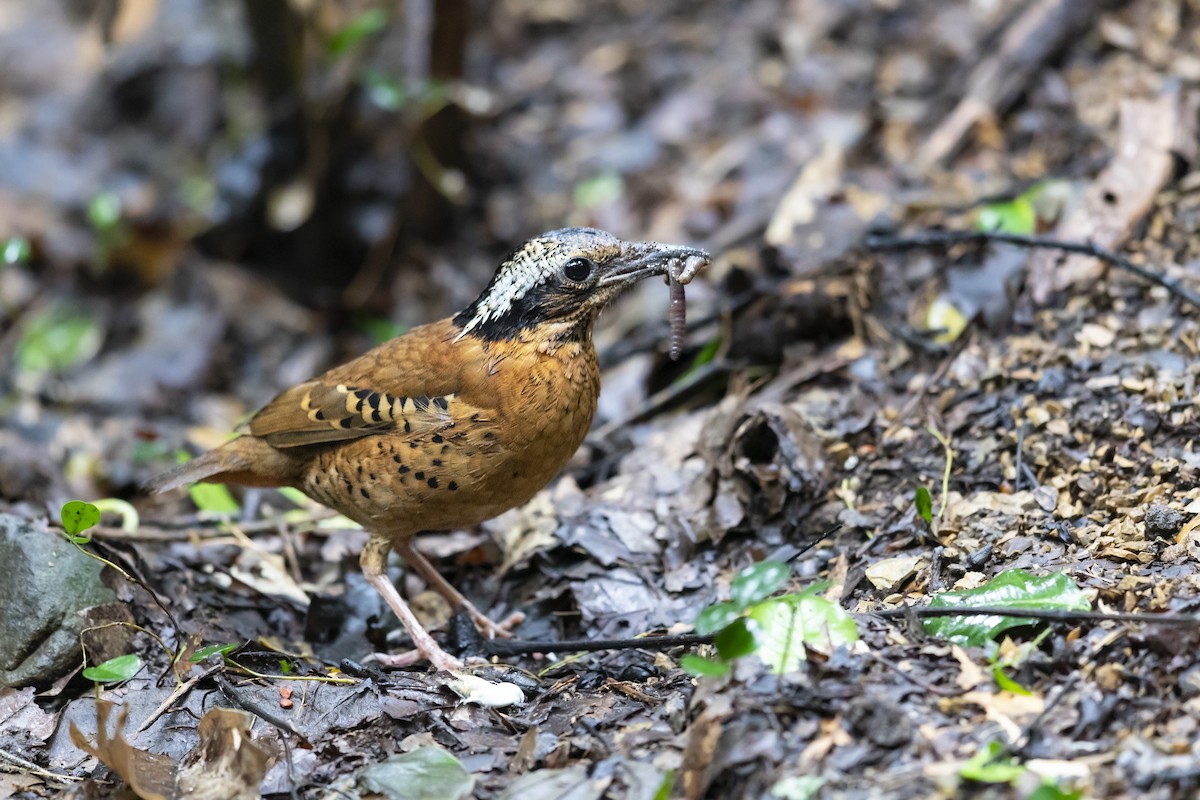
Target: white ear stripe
518	277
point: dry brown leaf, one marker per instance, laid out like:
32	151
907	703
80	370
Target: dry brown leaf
703	736
149	775
226	765
1120	196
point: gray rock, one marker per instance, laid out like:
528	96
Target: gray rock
1163	522
46	586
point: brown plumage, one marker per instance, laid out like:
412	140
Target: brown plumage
453	422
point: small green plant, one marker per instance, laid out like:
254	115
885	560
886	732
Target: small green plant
203	653
380	329
15	250
1013	216
1013	588
923	501
115	670
946	469
600	190
994	765
1000	663
356	31
77	518
213	498
55	339
777	629
105	214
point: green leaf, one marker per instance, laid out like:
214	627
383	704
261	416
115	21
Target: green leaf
946	319
56	339
1008	684
213	498
664	788
296	496
798	787
427	773
15	250
716	617
601	190
707	353
355	31
758	582
703	667
77	516
1013	588
787	624
1015	216
121	668
737	639
203	653
703	358
380	329
991	765
385	92
104	211
813	589
1050	790
924	503
145	452
114	505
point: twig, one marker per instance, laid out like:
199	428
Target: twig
1020	454
32	768
514	647
1051	615
179	692
908	676
1156	779
941	238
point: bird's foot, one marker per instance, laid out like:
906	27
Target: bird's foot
439	658
493	630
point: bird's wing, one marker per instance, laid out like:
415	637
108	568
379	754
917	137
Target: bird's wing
315	412
405	385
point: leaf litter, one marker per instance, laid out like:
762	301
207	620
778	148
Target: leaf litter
1067	417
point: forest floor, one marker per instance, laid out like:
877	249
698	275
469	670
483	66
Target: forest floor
164	274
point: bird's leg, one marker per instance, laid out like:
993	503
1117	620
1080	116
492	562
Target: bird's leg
442	586
374	567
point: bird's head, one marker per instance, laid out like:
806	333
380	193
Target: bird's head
563	279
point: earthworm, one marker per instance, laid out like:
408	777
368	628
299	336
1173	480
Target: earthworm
678	312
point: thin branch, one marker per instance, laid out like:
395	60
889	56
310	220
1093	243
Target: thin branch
917	681
1050	615
16	763
179	692
513	647
928	239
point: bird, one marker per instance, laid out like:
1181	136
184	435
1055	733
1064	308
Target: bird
453	422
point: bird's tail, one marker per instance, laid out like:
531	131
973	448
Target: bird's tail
247	460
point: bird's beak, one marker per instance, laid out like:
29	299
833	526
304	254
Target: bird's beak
640	260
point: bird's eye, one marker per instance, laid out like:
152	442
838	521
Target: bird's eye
577	270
